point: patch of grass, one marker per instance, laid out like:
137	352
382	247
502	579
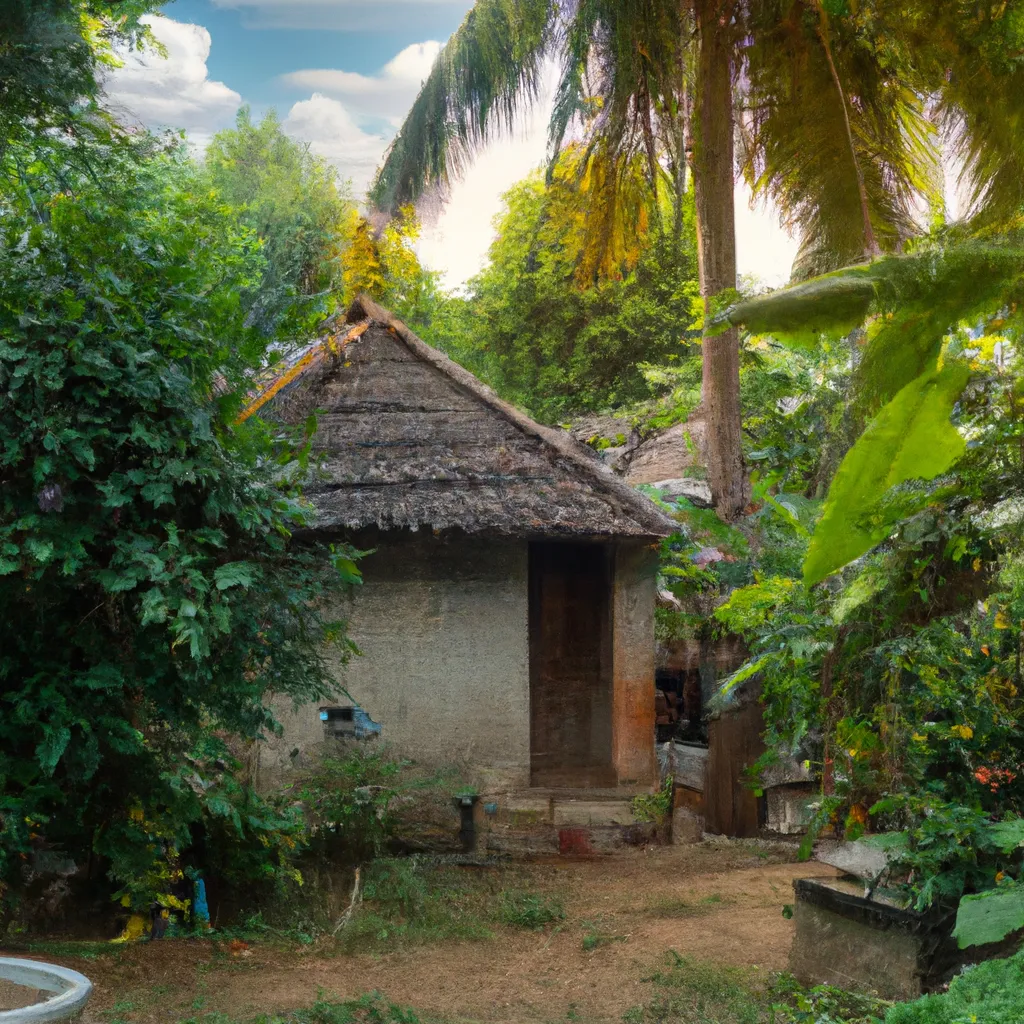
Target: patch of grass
593	939
118	1013
692	992
407	903
594	936
529	910
372	1008
81	950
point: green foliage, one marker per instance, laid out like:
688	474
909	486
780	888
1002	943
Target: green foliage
383	264
52	53
655	807
291	201
989	916
151	595
822	1004
478	76
911	438
558	327
350	803
899	682
528	910
990	993
407	902
689	991
833	304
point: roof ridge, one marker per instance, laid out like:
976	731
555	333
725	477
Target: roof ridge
329	345
363	310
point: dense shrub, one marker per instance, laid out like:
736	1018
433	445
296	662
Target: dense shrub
990	993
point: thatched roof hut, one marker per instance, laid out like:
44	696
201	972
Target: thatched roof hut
506	618
414	441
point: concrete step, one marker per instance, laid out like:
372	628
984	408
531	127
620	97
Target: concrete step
568	807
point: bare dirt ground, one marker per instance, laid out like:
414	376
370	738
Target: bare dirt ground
624	913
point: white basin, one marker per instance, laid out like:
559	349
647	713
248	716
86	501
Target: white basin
70	991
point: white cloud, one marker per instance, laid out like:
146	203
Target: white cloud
333	133
388	94
346	15
173	91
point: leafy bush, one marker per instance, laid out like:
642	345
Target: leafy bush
350	803
655	807
990	993
151	594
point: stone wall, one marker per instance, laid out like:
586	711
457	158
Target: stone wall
444	670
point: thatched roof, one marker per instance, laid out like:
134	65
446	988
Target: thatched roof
410	439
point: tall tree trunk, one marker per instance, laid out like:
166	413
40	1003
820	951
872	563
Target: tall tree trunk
716	240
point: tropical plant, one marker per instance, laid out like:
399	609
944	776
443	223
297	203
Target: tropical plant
899	678
924	315
833	125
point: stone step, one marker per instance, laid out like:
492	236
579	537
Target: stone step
568	808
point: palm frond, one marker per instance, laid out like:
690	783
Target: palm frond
967	56
486	73
983	105
797	150
617	59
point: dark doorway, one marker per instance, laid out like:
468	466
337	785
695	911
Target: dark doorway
570	665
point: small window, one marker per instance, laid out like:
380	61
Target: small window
337	714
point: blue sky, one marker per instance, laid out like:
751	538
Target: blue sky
254	44
364	59
342	75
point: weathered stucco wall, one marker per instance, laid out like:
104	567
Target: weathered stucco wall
442	624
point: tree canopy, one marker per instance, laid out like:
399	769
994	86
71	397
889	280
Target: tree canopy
559	327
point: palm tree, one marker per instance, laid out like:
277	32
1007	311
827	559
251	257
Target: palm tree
836	106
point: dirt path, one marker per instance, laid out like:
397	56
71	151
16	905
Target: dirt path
623	914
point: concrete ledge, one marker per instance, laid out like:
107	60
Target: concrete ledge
879	945
71	991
